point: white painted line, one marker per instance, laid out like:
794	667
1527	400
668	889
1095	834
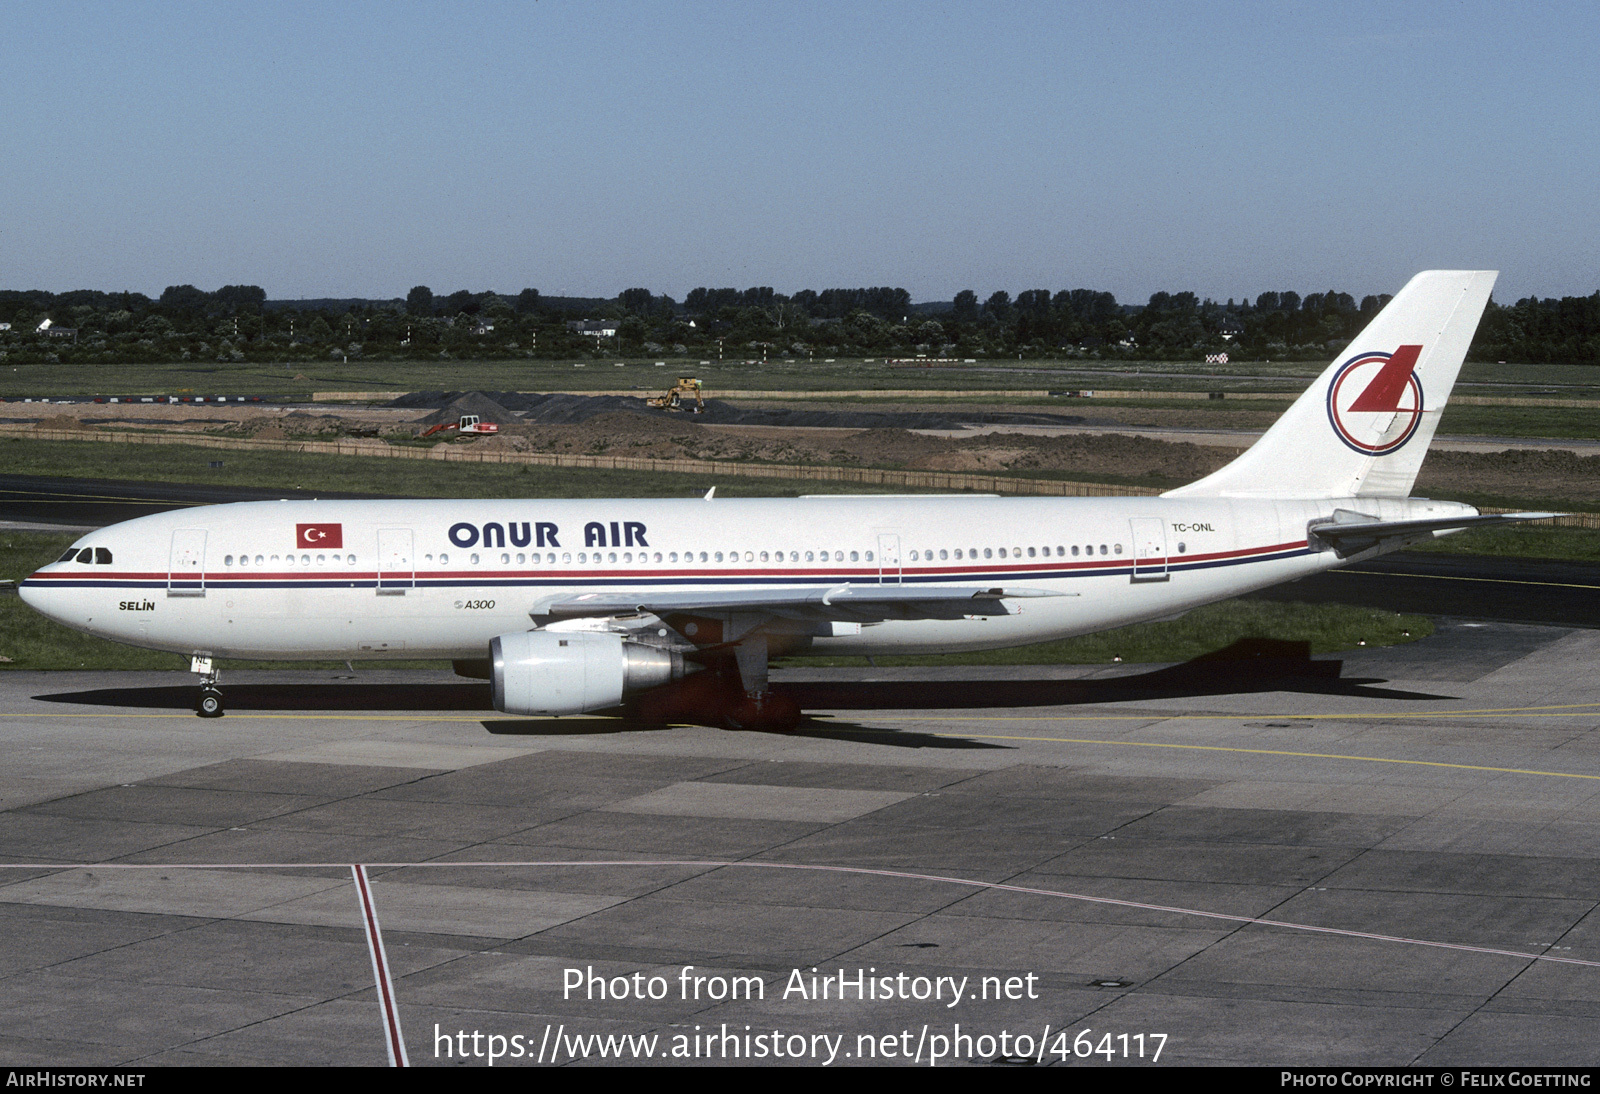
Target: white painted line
392	1039
714	864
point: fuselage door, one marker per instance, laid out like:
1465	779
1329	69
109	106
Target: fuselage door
888	559
397	568
186	569
1149	549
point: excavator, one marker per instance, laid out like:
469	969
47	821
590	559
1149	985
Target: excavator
673	398
469	425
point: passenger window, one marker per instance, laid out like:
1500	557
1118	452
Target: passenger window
719	556
611	558
566	556
1102	548
958	552
1119	548
913	556
505	560
1002	552
258	559
520	558
942	554
322	560
1030	552
228	561
749	556
1074	550
988	552
763	556
102	556
475	558
444	560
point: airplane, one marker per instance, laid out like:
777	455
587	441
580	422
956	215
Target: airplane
675	606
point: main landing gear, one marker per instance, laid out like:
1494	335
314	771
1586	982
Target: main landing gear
731	693
758	707
209	703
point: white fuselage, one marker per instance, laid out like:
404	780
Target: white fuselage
439	579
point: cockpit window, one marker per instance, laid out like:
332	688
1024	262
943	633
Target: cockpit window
69	556
102	556
86	555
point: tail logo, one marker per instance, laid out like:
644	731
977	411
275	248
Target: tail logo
1375	401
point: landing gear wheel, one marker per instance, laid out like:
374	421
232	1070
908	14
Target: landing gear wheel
210	703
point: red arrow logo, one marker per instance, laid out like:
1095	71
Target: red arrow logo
1383	394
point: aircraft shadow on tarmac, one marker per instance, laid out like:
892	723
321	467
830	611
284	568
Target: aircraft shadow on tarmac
1247	666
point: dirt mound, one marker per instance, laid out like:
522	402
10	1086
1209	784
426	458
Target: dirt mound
472	402
562	409
62	421
1514	473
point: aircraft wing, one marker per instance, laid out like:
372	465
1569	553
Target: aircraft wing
1352	537
845	603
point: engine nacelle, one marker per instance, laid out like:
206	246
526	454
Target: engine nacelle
570	672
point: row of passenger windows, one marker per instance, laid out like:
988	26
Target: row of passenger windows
289	560
944	554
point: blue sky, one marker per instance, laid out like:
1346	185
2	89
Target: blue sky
583	148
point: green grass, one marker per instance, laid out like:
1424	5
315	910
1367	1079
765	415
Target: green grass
1327	627
1520	421
1520	541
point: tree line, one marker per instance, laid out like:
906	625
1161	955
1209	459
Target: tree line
238	323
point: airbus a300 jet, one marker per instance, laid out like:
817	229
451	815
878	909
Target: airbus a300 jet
675	606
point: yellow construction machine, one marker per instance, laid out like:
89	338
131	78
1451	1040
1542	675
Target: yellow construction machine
674	398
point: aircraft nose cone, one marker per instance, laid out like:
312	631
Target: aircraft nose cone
36	596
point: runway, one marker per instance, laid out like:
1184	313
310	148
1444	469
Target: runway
1392	858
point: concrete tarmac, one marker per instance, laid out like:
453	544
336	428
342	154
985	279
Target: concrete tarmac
1100	849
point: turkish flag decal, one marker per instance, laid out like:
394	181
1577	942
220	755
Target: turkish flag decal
319	535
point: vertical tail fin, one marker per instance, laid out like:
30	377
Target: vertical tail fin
1363	428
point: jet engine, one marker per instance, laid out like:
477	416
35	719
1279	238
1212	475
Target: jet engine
569	672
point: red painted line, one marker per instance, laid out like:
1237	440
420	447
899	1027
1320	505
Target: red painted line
392	1039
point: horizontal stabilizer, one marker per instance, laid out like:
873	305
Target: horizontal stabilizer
1348	536
845	603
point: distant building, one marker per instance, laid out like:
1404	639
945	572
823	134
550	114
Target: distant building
483	327
595	328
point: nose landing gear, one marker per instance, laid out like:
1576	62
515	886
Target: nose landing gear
209	703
